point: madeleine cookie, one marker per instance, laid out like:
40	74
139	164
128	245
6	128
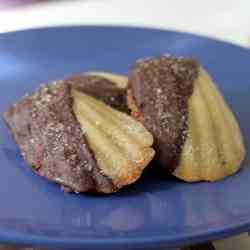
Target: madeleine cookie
195	134
77	141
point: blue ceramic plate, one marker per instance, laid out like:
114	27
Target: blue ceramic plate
156	211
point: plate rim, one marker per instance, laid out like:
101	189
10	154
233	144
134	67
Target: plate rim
137	242
134	27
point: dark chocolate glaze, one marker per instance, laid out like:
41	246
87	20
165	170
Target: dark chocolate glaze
52	142
160	89
102	89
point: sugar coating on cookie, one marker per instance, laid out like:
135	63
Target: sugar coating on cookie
159	89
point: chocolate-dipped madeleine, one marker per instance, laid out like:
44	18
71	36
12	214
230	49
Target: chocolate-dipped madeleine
196	136
77	141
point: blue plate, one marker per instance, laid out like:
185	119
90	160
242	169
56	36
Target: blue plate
155	212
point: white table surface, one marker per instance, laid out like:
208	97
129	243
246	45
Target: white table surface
225	19
228	20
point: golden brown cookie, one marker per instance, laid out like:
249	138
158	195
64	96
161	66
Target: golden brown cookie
75	140
196	136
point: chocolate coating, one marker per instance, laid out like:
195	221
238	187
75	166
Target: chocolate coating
160	89
52	142
102	89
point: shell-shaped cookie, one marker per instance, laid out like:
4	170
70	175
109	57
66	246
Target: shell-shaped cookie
121	145
214	145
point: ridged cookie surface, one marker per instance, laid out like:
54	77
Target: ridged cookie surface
196	135
214	146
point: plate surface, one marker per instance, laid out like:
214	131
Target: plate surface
155	212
